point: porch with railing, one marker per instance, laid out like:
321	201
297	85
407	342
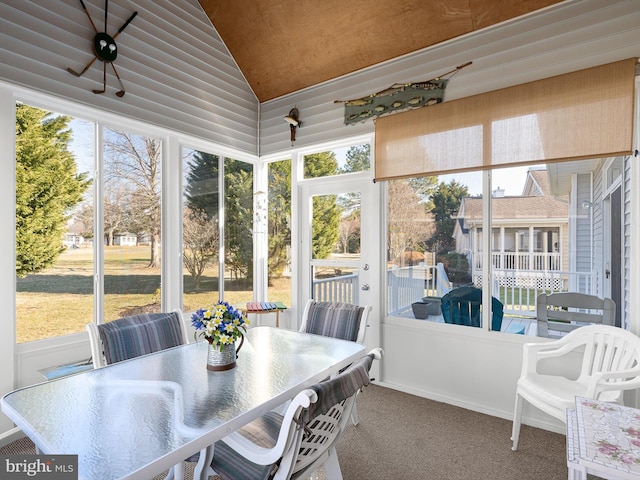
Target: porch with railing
551	261
516	289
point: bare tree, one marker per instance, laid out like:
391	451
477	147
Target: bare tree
200	242
409	222
135	160
349	227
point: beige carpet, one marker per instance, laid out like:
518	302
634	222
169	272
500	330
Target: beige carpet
402	436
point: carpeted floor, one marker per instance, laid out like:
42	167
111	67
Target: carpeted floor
401	436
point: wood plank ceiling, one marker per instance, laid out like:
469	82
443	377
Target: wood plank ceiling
282	46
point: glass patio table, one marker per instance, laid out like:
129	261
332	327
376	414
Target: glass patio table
138	418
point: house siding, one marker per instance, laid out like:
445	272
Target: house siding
626	240
583	248
177	72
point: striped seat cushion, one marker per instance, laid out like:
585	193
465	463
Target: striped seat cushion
335	390
130	337
230	465
334	319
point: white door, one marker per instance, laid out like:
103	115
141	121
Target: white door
340	238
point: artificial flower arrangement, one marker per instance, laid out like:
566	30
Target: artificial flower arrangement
220	325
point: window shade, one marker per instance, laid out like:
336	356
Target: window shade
584	114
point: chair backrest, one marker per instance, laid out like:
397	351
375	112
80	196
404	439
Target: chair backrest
130	337
326	418
564	312
336	319
299	442
462	307
607	350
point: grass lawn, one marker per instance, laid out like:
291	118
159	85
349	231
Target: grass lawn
59	300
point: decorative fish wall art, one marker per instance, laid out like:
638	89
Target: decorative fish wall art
398	97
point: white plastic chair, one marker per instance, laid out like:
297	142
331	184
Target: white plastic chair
296	444
610	364
338	320
566	311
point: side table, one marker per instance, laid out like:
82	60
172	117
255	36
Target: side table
603	439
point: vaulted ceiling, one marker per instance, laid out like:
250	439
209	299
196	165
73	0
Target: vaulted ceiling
282	46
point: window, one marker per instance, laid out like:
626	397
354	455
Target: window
66	236
200	229
279	232
548	236
356	158
54	223
238	231
216	213
131	224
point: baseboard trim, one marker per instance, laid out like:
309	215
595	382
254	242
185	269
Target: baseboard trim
550	426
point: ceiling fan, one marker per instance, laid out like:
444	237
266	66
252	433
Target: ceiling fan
104	49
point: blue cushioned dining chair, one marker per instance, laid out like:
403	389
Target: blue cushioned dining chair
136	335
337	320
295	445
130	337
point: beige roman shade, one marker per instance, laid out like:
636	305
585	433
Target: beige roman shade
584	114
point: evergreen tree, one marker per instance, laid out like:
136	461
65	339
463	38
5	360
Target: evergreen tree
326	212
358	158
446	202
279	216
201	188
48	186
238	207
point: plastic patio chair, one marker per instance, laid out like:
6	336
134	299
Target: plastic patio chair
135	335
610	364
295	445
566	311
337	320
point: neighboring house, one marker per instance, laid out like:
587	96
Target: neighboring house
529	235
73	240
567	231
125	239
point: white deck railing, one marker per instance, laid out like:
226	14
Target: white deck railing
521	261
343	288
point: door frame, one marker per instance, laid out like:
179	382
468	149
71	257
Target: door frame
370	227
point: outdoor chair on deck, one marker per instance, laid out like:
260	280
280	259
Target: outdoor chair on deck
462	307
563	312
337	320
130	337
295	445
606	361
